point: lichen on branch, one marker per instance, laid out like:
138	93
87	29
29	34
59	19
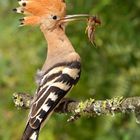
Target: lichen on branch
88	108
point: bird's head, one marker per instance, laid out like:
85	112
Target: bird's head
41	12
49	14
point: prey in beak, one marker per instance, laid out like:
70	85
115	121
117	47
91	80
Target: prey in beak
92	23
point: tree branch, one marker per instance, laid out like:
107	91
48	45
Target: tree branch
89	107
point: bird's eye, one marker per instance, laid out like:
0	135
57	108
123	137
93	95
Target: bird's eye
54	17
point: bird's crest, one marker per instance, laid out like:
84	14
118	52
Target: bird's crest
37	10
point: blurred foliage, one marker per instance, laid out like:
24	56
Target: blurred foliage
111	69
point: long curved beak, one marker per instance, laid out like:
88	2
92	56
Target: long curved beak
92	22
78	17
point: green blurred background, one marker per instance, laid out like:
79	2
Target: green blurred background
111	69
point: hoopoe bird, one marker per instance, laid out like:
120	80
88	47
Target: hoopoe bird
62	67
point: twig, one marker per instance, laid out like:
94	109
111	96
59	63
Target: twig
87	108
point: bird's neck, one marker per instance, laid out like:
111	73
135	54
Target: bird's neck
59	46
58	42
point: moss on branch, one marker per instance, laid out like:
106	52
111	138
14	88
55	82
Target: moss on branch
88	108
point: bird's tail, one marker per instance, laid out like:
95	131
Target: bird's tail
37	10
30	133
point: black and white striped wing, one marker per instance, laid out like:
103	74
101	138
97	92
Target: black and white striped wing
54	85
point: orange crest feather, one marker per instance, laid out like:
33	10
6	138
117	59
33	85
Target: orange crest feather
37	9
